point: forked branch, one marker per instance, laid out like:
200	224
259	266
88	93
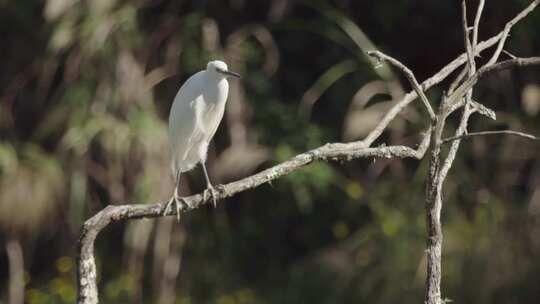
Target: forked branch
459	95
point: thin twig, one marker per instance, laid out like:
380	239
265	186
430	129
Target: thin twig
476	26
507	29
437	173
509	54
487	69
483	133
453	103
500	46
468	45
410	76
458	80
471	49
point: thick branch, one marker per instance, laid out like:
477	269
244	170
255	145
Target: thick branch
438	173
468	45
86	267
464	72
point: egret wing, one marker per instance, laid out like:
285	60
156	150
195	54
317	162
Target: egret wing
183	126
213	114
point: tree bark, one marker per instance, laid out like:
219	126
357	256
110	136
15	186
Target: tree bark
16	270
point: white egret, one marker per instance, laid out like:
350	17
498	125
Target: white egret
195	115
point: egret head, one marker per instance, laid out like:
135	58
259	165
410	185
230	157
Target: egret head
220	69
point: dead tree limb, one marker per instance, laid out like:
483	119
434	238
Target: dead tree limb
86	266
460	96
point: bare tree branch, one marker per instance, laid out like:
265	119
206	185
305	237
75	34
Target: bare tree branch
484	133
462	95
410	76
441	75
471	49
507	29
86	267
500	46
485	70
458	80
437	175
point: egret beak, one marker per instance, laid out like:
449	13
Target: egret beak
228	73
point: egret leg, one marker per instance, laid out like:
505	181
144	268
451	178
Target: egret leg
209	188
176	199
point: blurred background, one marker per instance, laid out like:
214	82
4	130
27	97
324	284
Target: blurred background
85	90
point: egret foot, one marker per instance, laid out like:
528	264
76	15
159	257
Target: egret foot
210	191
179	202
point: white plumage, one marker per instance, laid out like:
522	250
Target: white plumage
195	115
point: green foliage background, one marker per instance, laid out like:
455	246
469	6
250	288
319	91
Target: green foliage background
85	89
